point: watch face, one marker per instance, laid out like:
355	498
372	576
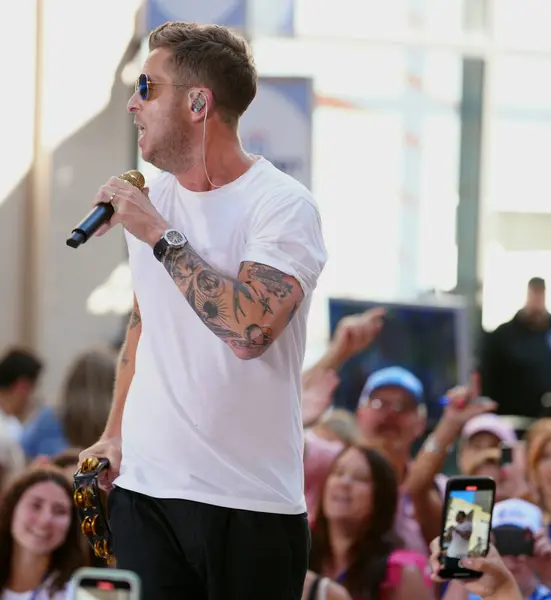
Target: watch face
175	238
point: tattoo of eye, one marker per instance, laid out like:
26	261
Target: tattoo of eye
210	284
135	319
272	279
265	303
212	312
240	288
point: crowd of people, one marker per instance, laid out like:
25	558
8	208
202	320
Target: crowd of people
373	507
41	545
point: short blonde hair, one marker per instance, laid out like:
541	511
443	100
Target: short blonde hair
536	448
212	56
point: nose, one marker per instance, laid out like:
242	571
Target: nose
344	479
387	416
45	517
133	102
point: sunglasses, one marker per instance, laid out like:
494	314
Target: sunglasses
143	86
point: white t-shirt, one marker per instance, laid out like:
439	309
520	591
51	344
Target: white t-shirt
13	425
459	547
200	423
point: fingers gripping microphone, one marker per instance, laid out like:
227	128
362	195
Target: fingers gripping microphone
101	213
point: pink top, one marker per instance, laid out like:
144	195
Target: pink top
406	524
403	559
396	563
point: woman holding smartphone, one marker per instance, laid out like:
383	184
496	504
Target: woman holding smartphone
39	537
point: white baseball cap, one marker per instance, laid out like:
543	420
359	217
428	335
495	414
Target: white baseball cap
489	423
517	513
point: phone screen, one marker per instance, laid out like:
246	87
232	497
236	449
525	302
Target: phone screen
466	524
103	589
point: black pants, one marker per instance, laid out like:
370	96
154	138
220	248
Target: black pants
185	550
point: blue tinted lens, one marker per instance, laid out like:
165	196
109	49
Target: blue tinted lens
142	86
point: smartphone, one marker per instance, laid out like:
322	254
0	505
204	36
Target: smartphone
506	454
466	524
104	584
513	541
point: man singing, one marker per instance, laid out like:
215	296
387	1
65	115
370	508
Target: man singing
225	252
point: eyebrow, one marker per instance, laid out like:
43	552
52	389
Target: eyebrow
38	498
154	78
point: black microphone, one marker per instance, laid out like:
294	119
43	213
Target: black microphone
101	213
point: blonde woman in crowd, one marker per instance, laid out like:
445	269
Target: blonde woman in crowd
539	426
82	413
39	537
539	471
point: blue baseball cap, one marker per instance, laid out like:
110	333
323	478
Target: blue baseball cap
394	376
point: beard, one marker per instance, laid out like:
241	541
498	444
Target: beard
171	149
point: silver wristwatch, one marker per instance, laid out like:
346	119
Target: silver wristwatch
171	238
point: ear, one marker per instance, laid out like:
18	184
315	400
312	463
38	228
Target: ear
200	103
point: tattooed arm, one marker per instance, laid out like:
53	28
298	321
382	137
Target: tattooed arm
125	372
248	312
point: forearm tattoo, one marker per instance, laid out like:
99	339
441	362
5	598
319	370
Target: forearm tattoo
243	312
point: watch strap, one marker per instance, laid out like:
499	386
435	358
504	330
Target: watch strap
160	248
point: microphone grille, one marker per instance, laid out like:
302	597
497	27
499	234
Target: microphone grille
135	178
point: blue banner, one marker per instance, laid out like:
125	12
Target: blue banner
250	17
270	18
278	125
230	13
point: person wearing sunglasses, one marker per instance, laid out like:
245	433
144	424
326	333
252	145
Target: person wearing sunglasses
225	252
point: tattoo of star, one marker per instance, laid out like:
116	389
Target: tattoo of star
265	303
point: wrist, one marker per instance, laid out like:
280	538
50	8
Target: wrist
156	232
333	358
447	431
437	444
508	591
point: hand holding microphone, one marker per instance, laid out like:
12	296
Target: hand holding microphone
122	200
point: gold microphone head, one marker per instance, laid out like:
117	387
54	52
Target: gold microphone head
135	178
